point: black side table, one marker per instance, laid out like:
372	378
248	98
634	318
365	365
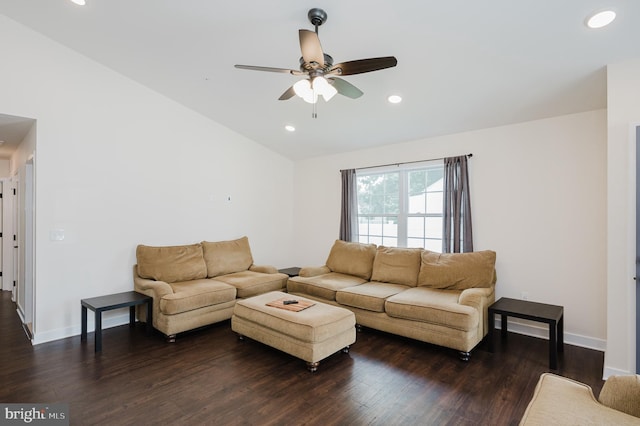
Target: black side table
101	304
292	272
550	314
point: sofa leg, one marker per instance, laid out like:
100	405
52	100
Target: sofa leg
358	328
171	338
312	366
345	350
464	356
240	337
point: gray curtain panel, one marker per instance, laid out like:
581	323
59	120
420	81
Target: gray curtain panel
349	206
457	233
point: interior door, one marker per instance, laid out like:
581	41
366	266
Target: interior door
638	249
18	295
7	233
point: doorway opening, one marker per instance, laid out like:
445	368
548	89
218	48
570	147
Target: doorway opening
17	224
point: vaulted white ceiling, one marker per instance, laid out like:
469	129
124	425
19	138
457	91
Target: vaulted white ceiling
462	64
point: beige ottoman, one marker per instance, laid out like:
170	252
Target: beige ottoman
311	334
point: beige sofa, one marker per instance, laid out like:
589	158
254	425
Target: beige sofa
198	284
432	297
558	400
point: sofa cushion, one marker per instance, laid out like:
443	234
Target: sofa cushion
250	283
457	271
369	296
227	257
352	258
171	263
322	286
432	306
194	294
397	265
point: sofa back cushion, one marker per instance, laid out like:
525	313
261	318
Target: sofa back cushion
457	271
227	257
622	393
397	265
171	263
352	258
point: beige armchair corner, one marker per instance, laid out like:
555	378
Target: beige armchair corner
560	400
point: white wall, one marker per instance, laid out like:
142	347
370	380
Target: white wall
119	165
5	168
623	112
538	199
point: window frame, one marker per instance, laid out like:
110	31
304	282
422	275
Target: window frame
402	216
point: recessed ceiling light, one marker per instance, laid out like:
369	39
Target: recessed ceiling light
289	128
394	99
601	19
79	2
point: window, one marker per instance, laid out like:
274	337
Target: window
401	206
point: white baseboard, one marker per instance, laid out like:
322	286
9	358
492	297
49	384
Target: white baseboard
542	331
20	314
610	371
63	333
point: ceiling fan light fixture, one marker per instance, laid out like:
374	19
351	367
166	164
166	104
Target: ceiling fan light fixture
322	87
79	2
303	89
394	99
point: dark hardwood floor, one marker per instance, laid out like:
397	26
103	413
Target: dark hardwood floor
209	377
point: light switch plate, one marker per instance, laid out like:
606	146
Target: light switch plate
56	234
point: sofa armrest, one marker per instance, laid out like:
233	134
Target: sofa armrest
622	393
153	288
265	269
312	271
477	297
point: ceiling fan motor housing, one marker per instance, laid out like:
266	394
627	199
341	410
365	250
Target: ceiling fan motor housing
305	66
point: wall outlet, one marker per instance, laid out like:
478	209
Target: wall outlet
524	295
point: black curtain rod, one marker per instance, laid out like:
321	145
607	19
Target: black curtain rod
406	162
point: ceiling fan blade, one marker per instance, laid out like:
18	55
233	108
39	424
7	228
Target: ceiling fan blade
311	48
345	88
270	69
363	65
288	94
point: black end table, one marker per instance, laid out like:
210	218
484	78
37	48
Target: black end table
292	272
541	312
101	304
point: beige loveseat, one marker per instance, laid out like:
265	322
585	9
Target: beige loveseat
432	297
197	284
558	400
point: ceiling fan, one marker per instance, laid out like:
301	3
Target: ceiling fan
318	68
